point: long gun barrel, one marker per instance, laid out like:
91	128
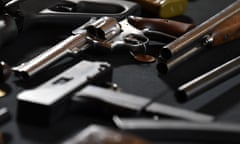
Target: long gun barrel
203	34
210	79
106	32
198	39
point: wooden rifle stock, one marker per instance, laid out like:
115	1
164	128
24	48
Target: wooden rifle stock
226	31
171	27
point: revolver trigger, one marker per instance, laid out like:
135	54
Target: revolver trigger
159	36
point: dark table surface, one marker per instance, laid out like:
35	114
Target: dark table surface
221	101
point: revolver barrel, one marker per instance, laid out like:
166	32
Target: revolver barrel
83	37
69	45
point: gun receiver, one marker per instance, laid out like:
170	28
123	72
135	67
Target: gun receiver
203	33
48	102
105	32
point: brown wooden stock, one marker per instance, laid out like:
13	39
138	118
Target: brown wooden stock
171	27
226	31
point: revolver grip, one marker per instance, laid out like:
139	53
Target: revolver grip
170	27
72	44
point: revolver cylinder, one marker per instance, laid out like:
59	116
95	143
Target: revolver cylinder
104	29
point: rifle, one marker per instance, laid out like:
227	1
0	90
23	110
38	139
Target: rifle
217	30
105	32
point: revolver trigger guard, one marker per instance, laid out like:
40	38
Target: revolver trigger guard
136	43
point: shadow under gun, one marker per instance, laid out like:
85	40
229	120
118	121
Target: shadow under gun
217	30
104	32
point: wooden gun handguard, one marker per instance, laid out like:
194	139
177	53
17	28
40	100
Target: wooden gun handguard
226	31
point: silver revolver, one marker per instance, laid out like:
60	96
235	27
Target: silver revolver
106	32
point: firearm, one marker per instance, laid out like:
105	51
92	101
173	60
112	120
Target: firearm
71	12
49	101
16	18
105	32
219	29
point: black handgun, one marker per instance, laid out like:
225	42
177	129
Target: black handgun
73	12
16	18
